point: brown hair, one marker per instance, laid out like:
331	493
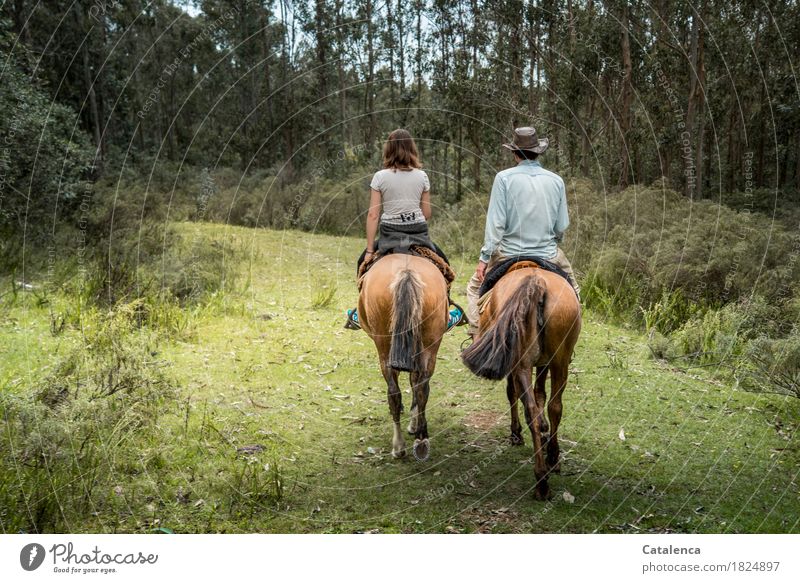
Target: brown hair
526	154
400	151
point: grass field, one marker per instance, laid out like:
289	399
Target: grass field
278	422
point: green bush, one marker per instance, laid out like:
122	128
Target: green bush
79	434
656	242
711	285
45	159
773	365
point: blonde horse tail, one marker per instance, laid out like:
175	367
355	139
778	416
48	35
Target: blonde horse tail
514	331
406	343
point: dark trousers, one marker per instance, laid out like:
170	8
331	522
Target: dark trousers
398	238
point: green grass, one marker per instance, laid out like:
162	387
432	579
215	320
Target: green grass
269	368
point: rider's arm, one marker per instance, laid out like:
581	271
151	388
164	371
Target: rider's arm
373	218
562	217
425	205
495	219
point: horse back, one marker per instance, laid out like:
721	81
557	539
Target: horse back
561	309
375	299
562	315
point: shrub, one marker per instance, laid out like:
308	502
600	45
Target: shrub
45	159
773	365
75	437
324	293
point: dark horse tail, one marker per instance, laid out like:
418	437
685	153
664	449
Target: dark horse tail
406	344
513	332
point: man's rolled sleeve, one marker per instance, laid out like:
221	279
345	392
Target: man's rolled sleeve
495	220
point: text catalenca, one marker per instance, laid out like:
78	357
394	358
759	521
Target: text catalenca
670	550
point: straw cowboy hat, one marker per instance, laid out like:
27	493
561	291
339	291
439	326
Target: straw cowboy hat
525	139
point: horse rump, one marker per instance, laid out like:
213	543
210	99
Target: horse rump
406	343
515	329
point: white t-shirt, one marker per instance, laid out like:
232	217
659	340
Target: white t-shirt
401	191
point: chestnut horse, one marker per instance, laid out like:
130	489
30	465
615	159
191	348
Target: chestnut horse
531	319
403	308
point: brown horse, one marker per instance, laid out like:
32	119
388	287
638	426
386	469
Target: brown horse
403	308
532	319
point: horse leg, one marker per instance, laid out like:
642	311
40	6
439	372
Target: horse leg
420	386
558	384
540	392
412	422
516	426
395	406
542	489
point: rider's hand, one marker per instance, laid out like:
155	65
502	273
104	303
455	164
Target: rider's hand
480	270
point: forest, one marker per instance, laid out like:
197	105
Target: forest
703	94
156	156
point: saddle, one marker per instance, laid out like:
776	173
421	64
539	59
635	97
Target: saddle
420	251
513	264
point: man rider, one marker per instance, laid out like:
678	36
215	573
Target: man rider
527	216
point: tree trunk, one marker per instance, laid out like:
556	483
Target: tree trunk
571	26
701	107
401	46
691	107
797	161
553	82
88	84
371	130
288	97
532	57
516	67
538	61
729	183
760	147
419	53
627	95
586	150
340	51
446	193
782	174
459	157
390	36
265	55
476	165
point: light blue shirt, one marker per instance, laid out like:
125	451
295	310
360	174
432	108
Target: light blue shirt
527	212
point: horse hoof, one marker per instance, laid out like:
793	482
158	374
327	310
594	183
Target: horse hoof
422	449
542	492
399	454
516	439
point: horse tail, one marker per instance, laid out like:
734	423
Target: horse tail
514	331
406	343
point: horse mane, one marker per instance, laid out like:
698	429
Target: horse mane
513	332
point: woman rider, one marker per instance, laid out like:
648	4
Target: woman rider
403	190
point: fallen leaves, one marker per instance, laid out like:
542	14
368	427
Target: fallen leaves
250	449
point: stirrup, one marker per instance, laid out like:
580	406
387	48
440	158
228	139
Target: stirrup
352	320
